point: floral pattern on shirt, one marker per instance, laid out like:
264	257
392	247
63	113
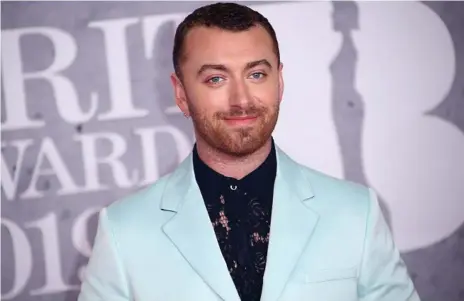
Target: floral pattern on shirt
242	227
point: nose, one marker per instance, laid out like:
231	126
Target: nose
240	94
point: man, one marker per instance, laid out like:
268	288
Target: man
239	219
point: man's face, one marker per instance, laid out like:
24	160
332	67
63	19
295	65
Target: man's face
231	87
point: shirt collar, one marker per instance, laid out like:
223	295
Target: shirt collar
211	182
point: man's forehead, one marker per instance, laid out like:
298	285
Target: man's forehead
217	45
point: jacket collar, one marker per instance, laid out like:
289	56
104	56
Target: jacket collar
190	230
182	179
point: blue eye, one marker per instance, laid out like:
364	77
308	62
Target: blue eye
258	75
215	79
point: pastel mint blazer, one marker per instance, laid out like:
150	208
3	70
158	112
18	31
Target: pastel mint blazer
329	242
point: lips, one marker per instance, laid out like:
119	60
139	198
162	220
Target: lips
238	118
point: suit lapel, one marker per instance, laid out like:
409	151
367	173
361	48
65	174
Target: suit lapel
292	224
190	230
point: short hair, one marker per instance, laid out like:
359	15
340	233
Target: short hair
227	16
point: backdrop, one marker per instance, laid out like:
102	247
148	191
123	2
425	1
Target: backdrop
374	93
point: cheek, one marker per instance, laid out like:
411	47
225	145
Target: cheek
203	111
211	100
266	94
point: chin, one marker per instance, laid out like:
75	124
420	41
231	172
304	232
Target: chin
245	148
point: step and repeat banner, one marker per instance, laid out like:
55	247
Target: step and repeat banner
374	94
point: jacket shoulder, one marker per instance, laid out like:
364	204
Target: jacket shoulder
338	195
140	203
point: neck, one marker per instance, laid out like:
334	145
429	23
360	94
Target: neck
231	166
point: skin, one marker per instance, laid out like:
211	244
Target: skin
232	87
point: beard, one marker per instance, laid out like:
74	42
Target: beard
236	141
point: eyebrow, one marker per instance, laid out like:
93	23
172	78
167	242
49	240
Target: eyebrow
220	67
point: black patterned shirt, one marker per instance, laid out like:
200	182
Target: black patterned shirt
240	212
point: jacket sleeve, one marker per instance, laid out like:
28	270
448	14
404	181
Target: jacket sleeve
383	274
104	278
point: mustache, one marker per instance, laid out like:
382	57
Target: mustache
238	112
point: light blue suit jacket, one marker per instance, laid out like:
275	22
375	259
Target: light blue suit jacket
329	242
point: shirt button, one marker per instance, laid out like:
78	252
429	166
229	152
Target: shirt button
233	187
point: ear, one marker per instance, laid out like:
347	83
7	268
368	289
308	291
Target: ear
281	82
179	94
